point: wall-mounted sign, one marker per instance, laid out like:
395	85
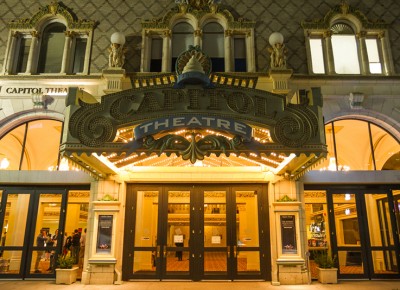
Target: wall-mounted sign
288	231
193	121
216	240
178	238
104	234
20	91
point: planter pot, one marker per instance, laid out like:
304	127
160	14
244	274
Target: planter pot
327	275
66	276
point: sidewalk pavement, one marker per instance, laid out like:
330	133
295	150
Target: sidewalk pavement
189	285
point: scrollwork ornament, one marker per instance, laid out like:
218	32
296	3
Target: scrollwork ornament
96	131
291	131
117	107
90	127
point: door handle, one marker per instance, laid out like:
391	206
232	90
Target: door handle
165	251
158	251
228	252
235	251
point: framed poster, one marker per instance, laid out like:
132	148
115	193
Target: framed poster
288	232
216	240
104	234
178	239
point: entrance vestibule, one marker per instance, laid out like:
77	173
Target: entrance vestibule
196	232
356	225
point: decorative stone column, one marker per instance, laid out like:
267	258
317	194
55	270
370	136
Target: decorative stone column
115	79
115	74
330	64
146	52
102	264
280	80
67	50
250	51
287	221
228	51
386	64
11	53
166	56
30	66
364	54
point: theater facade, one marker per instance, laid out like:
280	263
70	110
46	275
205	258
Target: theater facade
195	140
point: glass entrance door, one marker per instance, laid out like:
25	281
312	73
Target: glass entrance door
232	233
29	221
363	225
195	232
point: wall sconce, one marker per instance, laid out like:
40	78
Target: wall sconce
41	101
116	51
277	51
356	100
4	163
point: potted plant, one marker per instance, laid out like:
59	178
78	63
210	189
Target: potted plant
327	272
66	273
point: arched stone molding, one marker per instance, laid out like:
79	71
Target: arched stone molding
341	12
199	14
33	28
389	124
187	18
15	120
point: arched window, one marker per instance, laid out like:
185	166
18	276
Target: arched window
346	42
213	45
33	145
344	47
182	37
360	145
52	48
49	43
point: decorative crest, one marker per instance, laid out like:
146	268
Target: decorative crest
53	7
344	7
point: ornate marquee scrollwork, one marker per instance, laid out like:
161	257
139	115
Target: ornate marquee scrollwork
192	148
296	127
90	127
118	109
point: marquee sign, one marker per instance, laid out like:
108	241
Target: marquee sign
193	121
293	128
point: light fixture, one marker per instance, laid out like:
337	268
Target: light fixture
118	37
64	165
4	163
41	101
332	166
347	196
275	37
347	211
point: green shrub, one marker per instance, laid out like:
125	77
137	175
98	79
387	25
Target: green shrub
65	262
324	260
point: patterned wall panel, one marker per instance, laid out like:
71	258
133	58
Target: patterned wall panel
126	16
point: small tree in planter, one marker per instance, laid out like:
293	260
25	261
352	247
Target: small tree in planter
66	273
327	272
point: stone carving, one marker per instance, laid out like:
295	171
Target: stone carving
116	56
199	9
278	55
297	127
198	4
55	8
